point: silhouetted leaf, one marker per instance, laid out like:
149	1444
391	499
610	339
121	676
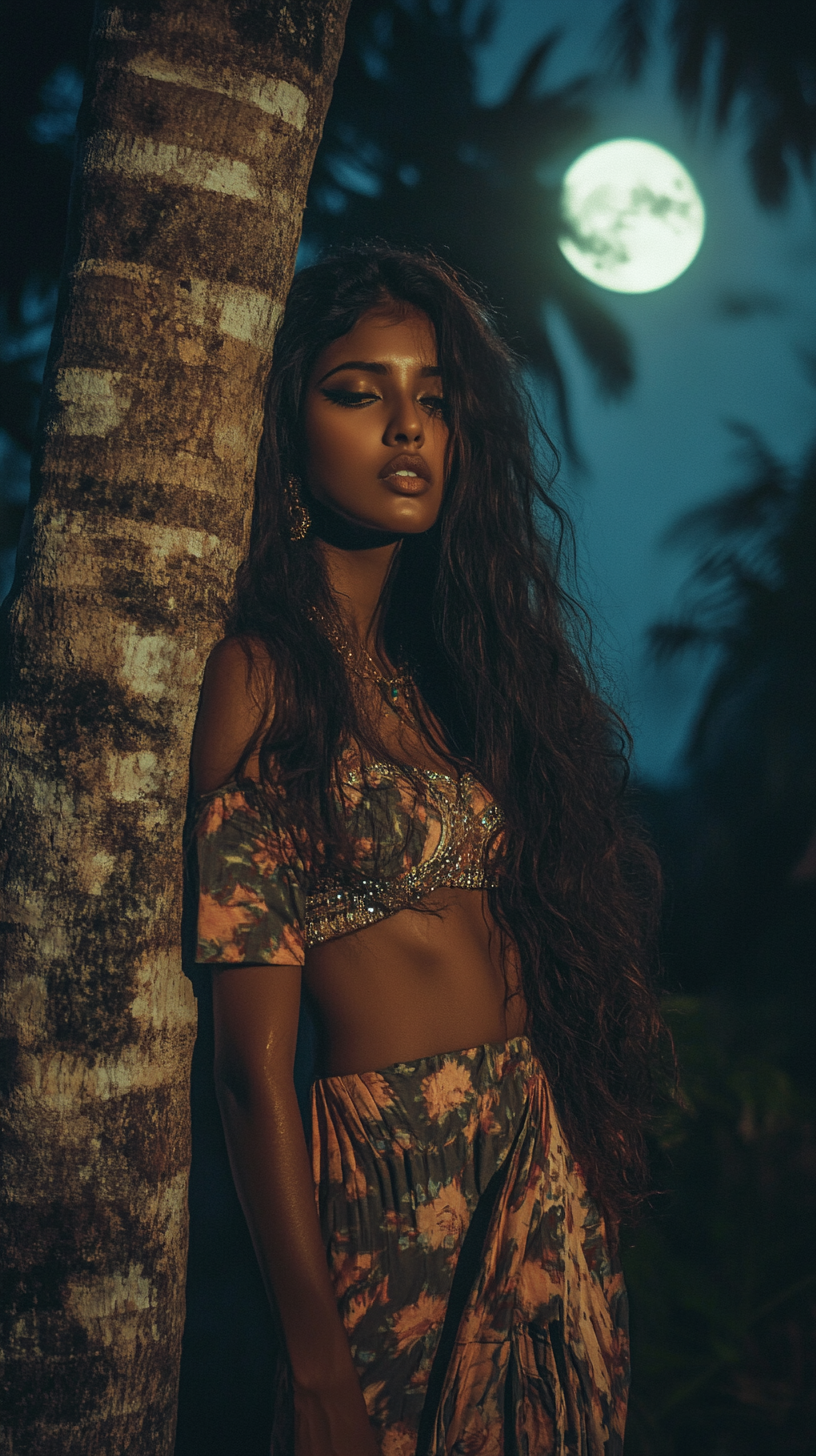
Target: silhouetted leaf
667	639
628	38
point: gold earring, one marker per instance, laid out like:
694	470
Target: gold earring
299	518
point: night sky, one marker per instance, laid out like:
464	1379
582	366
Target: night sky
724	342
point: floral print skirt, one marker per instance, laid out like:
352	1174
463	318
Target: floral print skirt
472	1271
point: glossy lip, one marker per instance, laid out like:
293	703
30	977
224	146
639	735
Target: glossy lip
404	483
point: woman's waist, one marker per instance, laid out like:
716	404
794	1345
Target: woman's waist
410	987
415	985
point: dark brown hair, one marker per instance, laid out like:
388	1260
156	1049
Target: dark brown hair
476	608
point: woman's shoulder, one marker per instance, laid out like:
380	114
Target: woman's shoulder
242	656
235	707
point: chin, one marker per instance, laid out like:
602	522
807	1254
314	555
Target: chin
407	514
412	522
416	528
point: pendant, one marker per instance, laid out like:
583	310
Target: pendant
390	693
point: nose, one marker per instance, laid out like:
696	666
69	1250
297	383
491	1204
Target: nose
405	426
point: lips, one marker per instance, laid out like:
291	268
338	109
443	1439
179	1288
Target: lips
415	482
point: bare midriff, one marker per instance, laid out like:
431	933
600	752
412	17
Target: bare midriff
414	985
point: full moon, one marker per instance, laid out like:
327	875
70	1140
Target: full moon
633	217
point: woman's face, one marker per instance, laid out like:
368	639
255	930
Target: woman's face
375	432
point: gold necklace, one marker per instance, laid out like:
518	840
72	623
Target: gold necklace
389	686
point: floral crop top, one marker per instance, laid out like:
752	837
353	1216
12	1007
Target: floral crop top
260	901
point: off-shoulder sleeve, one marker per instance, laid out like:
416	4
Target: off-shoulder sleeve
252	884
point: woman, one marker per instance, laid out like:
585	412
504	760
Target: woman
410	813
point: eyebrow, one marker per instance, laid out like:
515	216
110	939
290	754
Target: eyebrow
428	371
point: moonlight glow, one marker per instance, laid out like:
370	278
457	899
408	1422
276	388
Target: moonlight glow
634	219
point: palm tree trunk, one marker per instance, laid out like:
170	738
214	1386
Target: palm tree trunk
197	135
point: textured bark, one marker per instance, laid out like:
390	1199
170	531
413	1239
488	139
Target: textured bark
197	137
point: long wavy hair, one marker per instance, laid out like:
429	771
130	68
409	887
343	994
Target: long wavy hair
495	644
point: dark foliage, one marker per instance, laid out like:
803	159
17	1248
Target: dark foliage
721	1283
760	54
743	821
409	155
42	59
492	640
38	100
722	1288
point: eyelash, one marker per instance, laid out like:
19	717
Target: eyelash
353	399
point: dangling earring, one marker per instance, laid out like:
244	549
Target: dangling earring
299	518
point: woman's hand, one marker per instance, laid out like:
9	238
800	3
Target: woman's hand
333	1423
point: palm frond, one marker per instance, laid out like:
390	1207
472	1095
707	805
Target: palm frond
627	37
483	24
745	509
761	53
669	639
767	161
532	68
751	592
601	339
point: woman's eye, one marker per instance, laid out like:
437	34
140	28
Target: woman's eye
433	402
349	398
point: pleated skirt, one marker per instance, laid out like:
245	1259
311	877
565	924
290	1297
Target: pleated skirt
485	1314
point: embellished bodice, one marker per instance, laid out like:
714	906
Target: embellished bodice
424	842
263	900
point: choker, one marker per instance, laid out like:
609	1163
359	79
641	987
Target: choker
335	530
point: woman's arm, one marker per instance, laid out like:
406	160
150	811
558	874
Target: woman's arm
256	1015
